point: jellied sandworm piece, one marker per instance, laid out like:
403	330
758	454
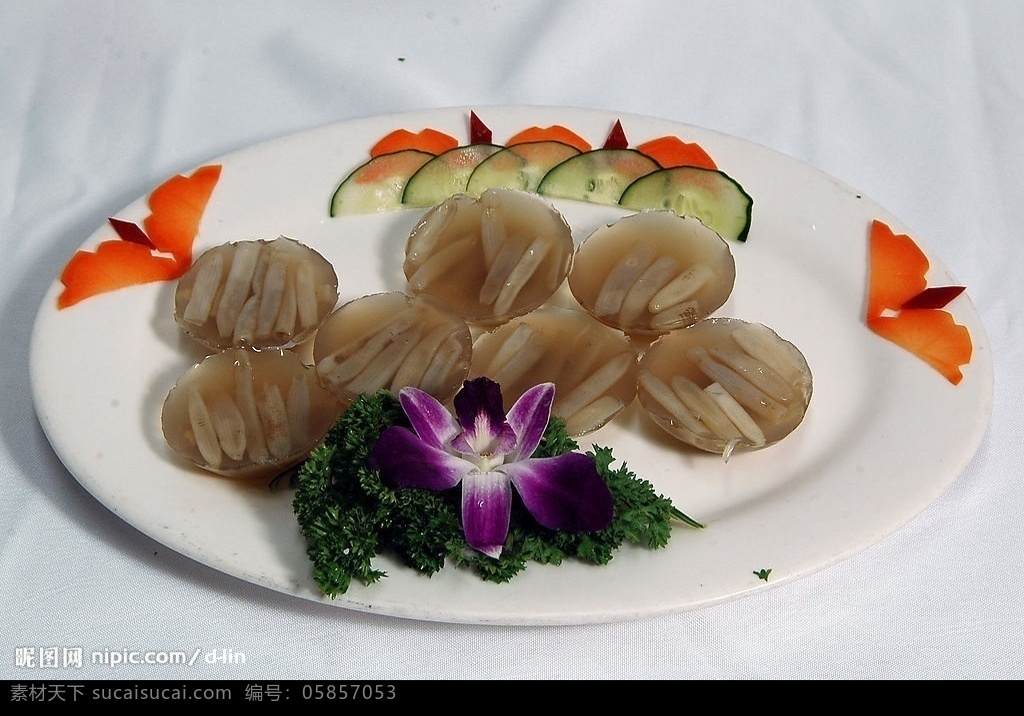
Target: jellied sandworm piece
761	376
419	359
512	371
340	367
248	293
248	414
499	256
511	345
450	359
492	228
306	304
763	345
246	323
652	272
592	365
740	401
392	341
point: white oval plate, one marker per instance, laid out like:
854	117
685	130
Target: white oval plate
884	436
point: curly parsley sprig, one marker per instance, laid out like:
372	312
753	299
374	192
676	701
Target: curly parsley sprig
349	517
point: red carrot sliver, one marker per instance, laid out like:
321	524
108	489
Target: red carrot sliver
937	297
479	133
130	231
617	137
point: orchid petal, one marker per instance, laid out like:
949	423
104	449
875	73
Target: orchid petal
404	460
486	511
431	420
481	414
529	419
564	492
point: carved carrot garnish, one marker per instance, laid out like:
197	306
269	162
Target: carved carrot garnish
930	334
177	207
897	270
115	264
428	140
903	309
674	152
554	133
160	252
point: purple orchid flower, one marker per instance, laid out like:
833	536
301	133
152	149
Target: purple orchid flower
490	453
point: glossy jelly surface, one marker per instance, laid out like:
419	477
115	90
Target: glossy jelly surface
255	293
652	272
592	365
725	384
492	258
248	414
392	340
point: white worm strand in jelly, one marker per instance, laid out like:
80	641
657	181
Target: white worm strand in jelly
521	273
204	291
202	429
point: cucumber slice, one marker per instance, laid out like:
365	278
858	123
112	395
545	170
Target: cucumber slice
712	196
446	174
520	166
598	176
378	184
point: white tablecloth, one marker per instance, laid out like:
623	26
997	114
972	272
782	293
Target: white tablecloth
915	103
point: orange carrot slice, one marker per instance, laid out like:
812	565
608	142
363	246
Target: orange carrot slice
428	140
115	264
177	207
931	335
674	152
554	133
897	270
